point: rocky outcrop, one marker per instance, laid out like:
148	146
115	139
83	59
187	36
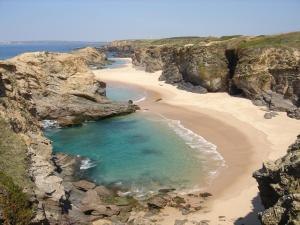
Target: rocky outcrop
270	76
204	66
265	69
279	185
93	58
123	49
149	59
46	86
62	87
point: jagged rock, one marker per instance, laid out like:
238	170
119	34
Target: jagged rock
94	58
103	191
279	185
148	58
171	74
57	87
91	197
62	88
268	75
157	202
84	185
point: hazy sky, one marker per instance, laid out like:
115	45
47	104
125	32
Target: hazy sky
102	20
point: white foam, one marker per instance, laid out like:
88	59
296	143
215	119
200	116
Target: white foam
198	143
140	100
87	164
50	124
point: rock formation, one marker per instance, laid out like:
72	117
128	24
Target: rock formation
46	86
265	69
279	185
93	58
61	86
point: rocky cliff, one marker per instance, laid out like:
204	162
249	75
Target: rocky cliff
264	68
45	86
93	58
279	185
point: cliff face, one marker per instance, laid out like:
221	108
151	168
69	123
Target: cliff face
279	185
92	57
62	87
264	69
270	76
45	86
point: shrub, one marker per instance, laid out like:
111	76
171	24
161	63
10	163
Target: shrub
14	204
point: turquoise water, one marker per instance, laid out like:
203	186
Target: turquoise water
141	152
119	92
117	63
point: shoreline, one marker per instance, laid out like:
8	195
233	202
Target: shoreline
244	149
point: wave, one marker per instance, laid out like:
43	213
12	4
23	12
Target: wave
140	100
194	140
199	143
47	124
87	164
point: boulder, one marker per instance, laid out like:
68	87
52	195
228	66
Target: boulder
279	183
84	185
157	202
103	191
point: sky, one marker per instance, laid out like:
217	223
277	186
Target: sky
106	20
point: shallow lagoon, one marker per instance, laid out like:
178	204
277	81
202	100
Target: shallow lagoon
141	152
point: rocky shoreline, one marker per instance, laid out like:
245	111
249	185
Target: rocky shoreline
87	202
257	68
265	69
60	88
47	86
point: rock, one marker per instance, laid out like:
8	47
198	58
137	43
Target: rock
157	202
94	58
205	194
177	201
268	116
171	74
279	183
227	65
84	185
103	191
91	198
180	222
148	58
102	222
62	88
166	190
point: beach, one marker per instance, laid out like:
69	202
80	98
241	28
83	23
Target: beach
244	138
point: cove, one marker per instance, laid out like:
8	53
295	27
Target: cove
140	153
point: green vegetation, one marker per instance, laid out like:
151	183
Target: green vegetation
13	159
179	41
202	71
281	40
233	41
14	204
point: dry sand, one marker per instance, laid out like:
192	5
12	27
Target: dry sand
244	138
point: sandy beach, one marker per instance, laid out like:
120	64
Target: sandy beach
244	138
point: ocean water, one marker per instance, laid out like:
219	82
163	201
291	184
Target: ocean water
8	50
121	93
117	63
142	152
